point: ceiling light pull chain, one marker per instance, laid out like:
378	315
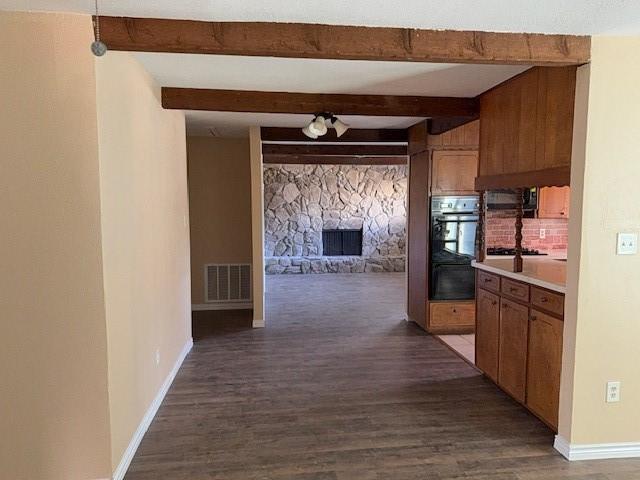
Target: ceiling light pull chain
97	47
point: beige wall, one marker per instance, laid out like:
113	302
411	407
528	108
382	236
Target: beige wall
145	239
257	226
602	330
219	204
54	418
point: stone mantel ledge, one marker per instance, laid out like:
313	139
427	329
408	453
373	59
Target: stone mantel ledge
341	264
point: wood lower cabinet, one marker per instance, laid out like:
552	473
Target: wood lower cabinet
519	341
451	317
544	365
514	327
487	332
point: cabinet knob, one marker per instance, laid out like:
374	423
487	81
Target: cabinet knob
505	305
513	289
487	280
493	302
544	300
454	310
534	318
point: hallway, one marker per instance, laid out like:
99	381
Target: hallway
340	387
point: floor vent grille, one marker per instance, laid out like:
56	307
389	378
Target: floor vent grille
227	282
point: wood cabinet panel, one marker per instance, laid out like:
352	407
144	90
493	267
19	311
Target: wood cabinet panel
549	301
554	128
487	332
452	317
517	290
514	326
488	281
454	172
544	366
526	125
553	202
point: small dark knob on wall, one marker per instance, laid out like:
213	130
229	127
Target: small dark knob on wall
454	310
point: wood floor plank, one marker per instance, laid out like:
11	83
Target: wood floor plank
340	387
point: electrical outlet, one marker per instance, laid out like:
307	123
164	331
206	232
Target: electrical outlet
627	244
157	356
543	233
613	392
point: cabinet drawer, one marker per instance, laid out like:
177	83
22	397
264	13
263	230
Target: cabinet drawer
452	314
549	301
513	289
488	281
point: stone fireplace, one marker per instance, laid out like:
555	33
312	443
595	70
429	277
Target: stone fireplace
307	206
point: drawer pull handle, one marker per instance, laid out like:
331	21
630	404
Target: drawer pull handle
487	280
505	305
513	289
494	302
544	300
534	318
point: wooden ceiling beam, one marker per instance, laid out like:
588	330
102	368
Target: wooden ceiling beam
309	103
341	42
334	159
353	135
324	149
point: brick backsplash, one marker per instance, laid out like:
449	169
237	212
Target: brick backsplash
500	231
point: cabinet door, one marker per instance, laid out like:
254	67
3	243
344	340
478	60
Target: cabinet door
554	202
487	332
544	365
512	367
454	172
554	130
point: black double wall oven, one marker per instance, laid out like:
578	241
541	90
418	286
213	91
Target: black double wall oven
454	220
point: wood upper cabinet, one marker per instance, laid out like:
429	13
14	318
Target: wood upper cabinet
487	332
553	202
544	366
453	172
514	326
526	123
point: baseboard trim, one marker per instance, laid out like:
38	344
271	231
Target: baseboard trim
121	470
258	324
199	307
596	451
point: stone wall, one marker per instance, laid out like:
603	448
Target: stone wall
302	200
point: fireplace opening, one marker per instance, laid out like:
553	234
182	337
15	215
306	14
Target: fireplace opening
341	242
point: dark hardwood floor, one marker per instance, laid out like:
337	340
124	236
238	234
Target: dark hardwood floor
340	387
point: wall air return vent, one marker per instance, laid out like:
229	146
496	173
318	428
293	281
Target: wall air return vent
227	283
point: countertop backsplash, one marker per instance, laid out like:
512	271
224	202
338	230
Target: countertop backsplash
500	232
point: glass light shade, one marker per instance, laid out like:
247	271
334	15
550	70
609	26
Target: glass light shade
318	127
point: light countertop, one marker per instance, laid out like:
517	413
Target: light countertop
545	272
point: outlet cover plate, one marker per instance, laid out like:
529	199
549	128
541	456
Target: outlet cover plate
627	244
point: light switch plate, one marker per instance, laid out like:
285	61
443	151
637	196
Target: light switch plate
543	233
613	392
627	244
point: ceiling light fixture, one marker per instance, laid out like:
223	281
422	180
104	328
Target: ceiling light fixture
318	126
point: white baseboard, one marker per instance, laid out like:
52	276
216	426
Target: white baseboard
258	324
120	471
199	307
596	451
